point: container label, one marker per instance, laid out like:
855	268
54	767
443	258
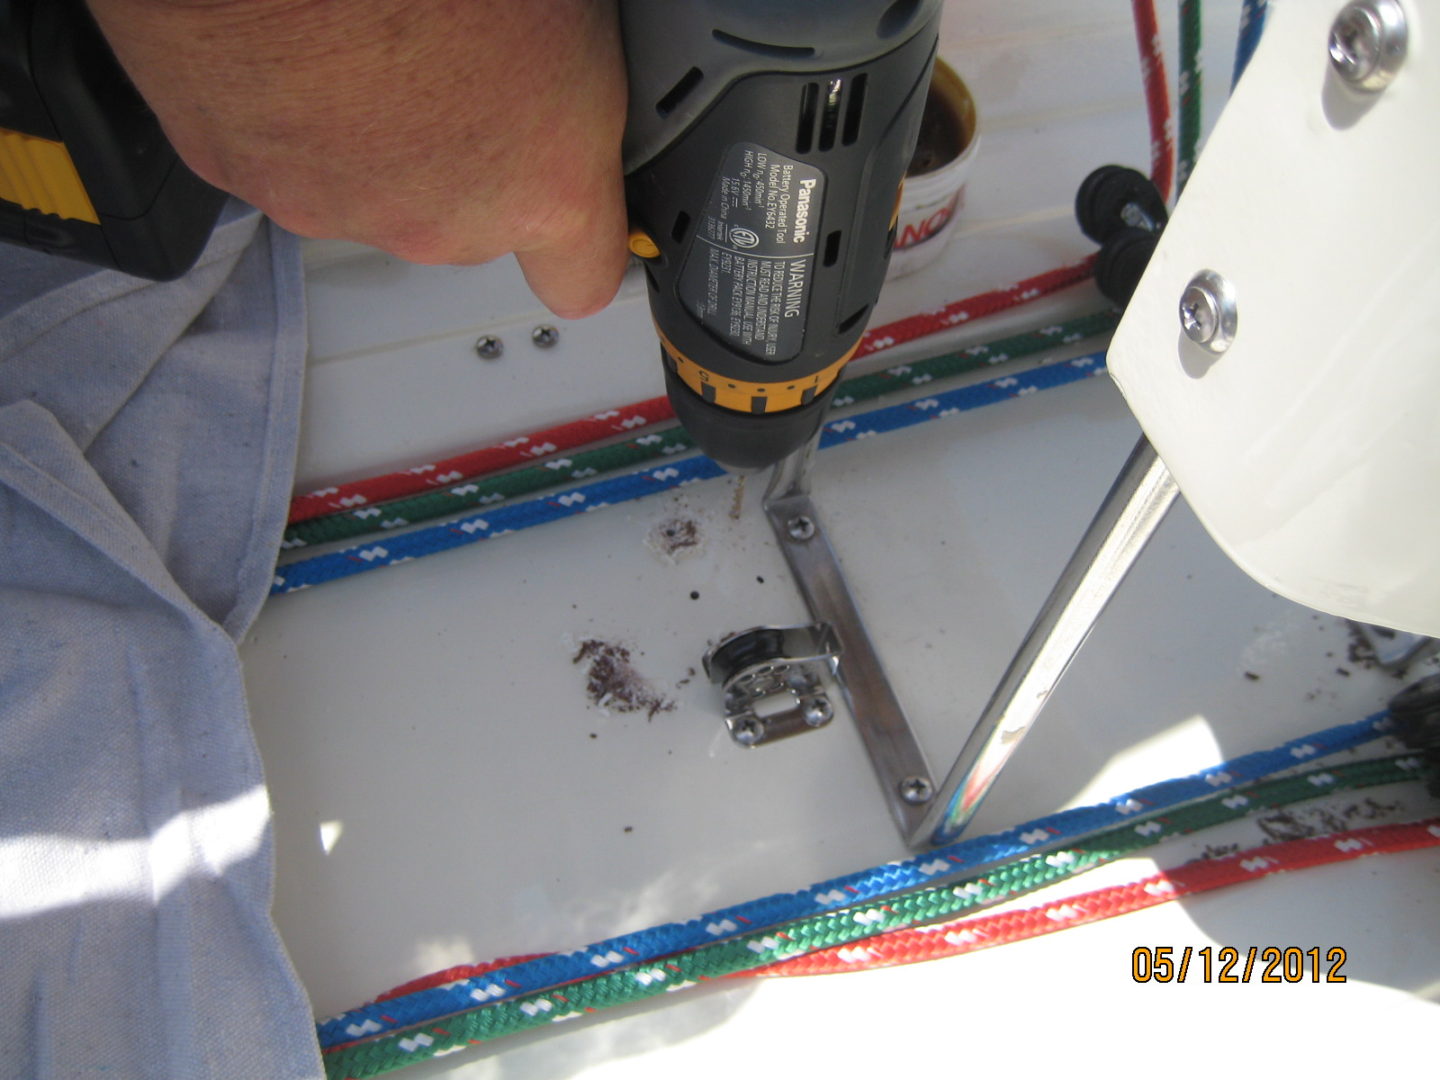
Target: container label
747	273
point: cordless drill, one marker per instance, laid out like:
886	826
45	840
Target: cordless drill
765	147
85	169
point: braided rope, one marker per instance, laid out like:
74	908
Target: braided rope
1191	92
596	495
1157	96
918	944
651	445
759	948
861	887
624	419
1252	25
974	307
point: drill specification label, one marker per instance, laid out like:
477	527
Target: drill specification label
752	253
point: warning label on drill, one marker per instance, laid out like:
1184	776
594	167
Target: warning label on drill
747	274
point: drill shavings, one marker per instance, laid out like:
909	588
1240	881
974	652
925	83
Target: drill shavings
675	537
739	501
613	684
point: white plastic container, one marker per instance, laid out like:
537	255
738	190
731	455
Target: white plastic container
935	188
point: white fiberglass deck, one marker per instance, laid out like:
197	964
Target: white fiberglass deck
445	792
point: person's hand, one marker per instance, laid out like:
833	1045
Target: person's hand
443	131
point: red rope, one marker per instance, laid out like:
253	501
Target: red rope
984	931
489	459
974	307
626	418
1157	96
455	974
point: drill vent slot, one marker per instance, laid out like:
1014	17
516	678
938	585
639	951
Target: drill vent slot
830	118
679	92
854	108
827	115
850	323
809	106
832	248
763	48
682	223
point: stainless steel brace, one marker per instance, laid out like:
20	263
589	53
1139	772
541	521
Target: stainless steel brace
925	812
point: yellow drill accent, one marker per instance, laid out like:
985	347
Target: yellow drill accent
39	175
642	245
740	396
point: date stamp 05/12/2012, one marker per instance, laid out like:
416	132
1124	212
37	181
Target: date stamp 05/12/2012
1228	964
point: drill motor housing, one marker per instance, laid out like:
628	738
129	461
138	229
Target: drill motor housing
765	151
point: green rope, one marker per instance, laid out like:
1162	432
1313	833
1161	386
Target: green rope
1000	882
483	491
1191	90
646	446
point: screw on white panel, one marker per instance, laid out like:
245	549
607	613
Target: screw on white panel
1207	311
544	336
1368	41
489	347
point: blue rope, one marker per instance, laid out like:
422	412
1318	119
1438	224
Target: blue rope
1252	25
646	945
513	517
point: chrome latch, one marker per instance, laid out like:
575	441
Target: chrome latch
772	680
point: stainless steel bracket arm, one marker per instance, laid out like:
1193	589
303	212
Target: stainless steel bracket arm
895	754
1127	519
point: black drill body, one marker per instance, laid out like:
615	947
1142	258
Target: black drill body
765	147
763	185
85	170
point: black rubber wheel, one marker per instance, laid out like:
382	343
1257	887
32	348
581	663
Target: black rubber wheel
1103	196
1122	261
1416	713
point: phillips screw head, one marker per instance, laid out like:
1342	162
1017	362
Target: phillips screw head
818	712
1368	41
916	790
800	528
748	731
1207	311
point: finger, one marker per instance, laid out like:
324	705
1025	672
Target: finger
577	272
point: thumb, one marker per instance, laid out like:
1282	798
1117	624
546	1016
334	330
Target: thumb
577	272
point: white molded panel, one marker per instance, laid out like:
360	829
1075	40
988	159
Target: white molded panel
1310	448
